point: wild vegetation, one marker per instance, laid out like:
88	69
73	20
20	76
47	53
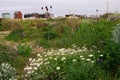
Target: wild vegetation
60	49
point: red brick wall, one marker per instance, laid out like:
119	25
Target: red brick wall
18	16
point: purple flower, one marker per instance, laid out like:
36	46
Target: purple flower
99	60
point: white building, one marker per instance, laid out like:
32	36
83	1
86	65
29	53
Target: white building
5	15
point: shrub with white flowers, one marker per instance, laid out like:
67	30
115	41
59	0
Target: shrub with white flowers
7	72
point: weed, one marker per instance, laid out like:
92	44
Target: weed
24	50
116	34
7	72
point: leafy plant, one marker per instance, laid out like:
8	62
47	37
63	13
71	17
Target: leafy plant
9	55
16	35
110	61
8	24
49	35
7	72
6	53
24	50
67	64
116	34
5	24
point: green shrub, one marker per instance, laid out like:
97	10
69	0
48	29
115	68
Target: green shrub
31	33
116	34
6	49
110	62
1	28
97	73
9	55
6	24
23	34
11	24
16	35
0	21
49	35
24	50
94	33
37	23
67	64
72	23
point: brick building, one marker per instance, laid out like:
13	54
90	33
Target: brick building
18	15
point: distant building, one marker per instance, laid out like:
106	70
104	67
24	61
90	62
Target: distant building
18	15
34	16
70	16
92	16
5	15
110	16
75	16
37	15
48	15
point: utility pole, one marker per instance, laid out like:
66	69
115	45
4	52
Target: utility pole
96	14
107	9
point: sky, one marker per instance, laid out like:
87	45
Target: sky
60	7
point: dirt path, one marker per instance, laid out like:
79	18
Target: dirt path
36	48
5	42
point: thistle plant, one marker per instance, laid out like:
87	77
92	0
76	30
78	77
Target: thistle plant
116	34
7	72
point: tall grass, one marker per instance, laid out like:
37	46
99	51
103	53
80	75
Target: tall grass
91	33
59	33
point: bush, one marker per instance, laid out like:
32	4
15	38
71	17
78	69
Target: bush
23	34
11	24
116	34
72	23
7	72
37	23
41	24
49	35
0	21
7	53
96	33
5	24
24	50
10	56
65	64
16	35
110	62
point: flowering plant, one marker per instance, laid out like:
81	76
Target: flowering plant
7	72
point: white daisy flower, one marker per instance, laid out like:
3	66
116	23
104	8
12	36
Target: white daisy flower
57	68
74	60
88	60
101	55
90	55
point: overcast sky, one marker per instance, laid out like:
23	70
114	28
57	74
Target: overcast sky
60	7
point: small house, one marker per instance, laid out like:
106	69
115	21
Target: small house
18	15
5	15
